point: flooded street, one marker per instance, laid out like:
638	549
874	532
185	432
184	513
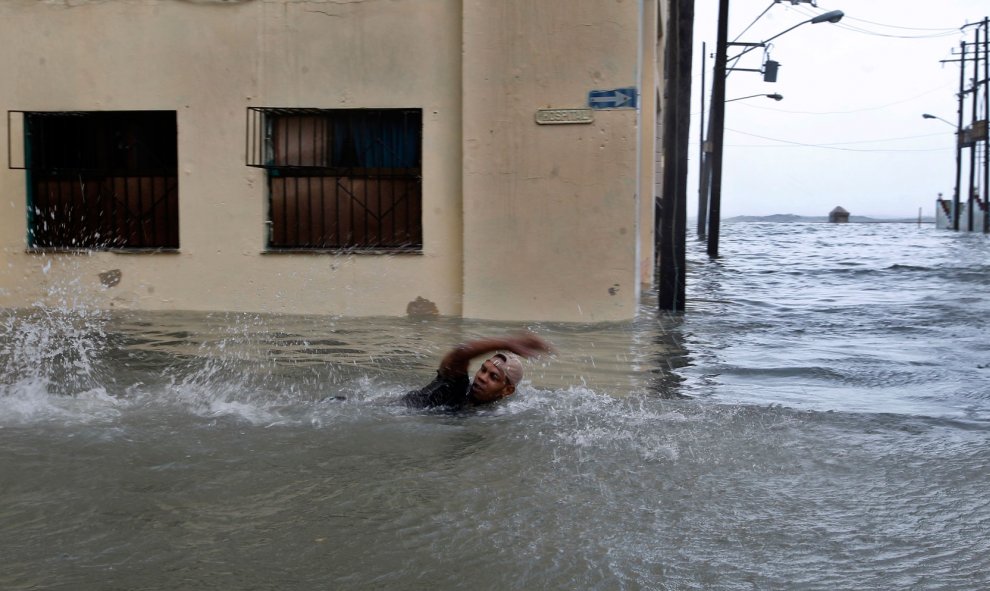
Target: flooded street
817	419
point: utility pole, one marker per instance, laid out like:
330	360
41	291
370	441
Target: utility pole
971	135
986	119
671	226
970	201
703	175
959	128
717	126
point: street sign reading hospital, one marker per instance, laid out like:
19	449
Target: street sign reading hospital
616	98
563	116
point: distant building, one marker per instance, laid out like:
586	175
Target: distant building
838	215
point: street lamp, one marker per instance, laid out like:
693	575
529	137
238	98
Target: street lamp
717	118
774	96
930	116
832	16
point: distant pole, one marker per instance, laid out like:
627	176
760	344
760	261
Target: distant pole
717	126
970	201
959	127
986	117
702	159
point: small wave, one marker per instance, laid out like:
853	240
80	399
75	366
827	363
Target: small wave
903	267
787	372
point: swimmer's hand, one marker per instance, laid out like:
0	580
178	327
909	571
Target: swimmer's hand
523	344
527	344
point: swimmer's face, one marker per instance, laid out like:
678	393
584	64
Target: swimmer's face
490	383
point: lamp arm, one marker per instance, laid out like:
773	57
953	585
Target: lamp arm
753	46
832	16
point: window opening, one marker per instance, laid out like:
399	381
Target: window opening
101	180
340	178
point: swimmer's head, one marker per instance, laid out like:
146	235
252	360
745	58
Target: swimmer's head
497	378
510	365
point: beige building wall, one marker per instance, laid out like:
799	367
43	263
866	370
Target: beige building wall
651	65
209	61
551	213
519	221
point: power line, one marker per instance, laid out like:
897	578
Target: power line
935	32
941	29
837	145
750	25
875	150
890	36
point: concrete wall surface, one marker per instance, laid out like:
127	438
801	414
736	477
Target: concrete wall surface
551	213
519	221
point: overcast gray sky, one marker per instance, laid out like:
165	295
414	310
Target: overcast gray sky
849	130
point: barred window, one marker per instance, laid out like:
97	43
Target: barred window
101	179
340	178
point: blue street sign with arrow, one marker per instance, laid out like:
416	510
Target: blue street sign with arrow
616	98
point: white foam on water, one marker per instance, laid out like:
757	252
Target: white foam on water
49	361
30	402
583	422
251	413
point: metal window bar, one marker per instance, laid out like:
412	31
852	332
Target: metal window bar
101	179
339	178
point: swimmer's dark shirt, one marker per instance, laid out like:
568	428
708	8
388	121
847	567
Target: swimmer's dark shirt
444	391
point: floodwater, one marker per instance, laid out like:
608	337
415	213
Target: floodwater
819	418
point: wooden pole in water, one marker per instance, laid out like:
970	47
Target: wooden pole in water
703	174
971	200
717	124
986	119
671	228
959	127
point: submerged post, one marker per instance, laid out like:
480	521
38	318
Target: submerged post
986	119
672	214
959	127
972	195
703	175
717	124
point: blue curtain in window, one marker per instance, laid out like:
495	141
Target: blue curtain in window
377	139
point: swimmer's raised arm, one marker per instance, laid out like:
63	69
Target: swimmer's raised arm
524	344
496	379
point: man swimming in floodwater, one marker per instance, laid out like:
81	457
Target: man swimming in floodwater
496	379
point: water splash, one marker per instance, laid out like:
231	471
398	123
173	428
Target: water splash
57	347
51	362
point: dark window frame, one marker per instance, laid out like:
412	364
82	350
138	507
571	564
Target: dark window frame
100	180
339	179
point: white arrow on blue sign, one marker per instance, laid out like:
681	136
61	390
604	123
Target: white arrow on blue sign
616	98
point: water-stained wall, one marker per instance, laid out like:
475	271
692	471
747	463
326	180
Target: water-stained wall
550	211
519	221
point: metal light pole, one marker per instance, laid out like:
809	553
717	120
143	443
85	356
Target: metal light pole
717	123
962	86
705	139
702	158
717	119
955	192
